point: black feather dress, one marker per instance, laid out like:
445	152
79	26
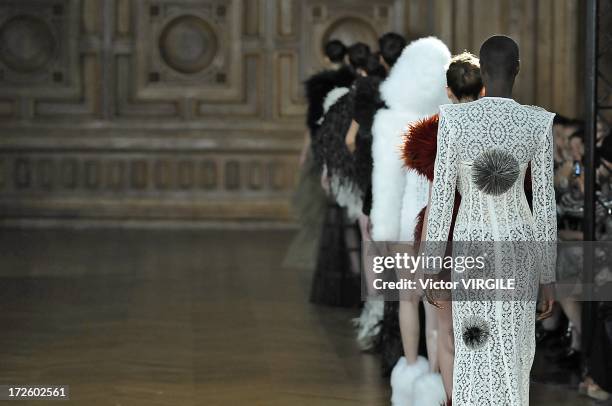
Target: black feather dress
334	283
317	88
309	201
367	103
330	143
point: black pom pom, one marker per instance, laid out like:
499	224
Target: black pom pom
495	171
475	332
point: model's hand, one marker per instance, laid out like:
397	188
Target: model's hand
436	296
547	301
350	144
430	294
325	183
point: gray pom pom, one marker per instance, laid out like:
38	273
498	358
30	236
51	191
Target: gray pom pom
475	332
495	171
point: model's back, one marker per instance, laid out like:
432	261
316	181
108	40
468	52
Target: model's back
484	148
490	143
495	122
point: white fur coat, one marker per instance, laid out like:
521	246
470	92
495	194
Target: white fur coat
415	89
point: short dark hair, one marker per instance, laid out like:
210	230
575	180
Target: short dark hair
335	50
567	122
391	46
605	151
499	58
463	76
374	67
577	134
358	55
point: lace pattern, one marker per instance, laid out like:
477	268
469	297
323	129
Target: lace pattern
496	371
466	131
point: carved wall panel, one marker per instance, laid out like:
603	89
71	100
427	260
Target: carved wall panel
549	33
40	56
162	109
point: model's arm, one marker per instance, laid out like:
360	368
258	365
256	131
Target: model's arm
424	232
351	136
544	206
440	214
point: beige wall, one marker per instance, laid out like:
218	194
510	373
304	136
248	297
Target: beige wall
193	110
549	32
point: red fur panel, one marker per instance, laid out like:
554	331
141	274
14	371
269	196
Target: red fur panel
420	146
418	229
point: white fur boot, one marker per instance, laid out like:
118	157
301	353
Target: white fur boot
429	390
403	378
368	323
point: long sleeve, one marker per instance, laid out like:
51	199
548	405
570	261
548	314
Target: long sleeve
444	184
443	192
544	206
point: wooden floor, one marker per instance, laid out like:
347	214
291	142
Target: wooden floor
178	318
173	318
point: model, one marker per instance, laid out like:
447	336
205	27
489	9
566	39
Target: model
464	84
372	330
309	201
484	148
415	89
336	280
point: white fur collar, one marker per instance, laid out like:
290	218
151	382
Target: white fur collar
417	81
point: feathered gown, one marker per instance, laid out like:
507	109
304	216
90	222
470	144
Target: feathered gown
333	283
338	160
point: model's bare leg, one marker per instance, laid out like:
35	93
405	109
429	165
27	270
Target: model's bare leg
353	245
431	336
417	378
364	227
410	328
573	311
410	368
431	313
368	323
552	322
446	345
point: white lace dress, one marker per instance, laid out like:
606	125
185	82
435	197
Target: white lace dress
484	148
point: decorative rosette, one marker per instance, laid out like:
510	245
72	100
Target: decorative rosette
495	171
475	332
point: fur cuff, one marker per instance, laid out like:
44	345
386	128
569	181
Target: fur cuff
428	390
403	378
420	146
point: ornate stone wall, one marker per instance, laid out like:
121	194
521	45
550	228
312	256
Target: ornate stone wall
162	109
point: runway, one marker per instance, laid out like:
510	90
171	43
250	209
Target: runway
170	317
